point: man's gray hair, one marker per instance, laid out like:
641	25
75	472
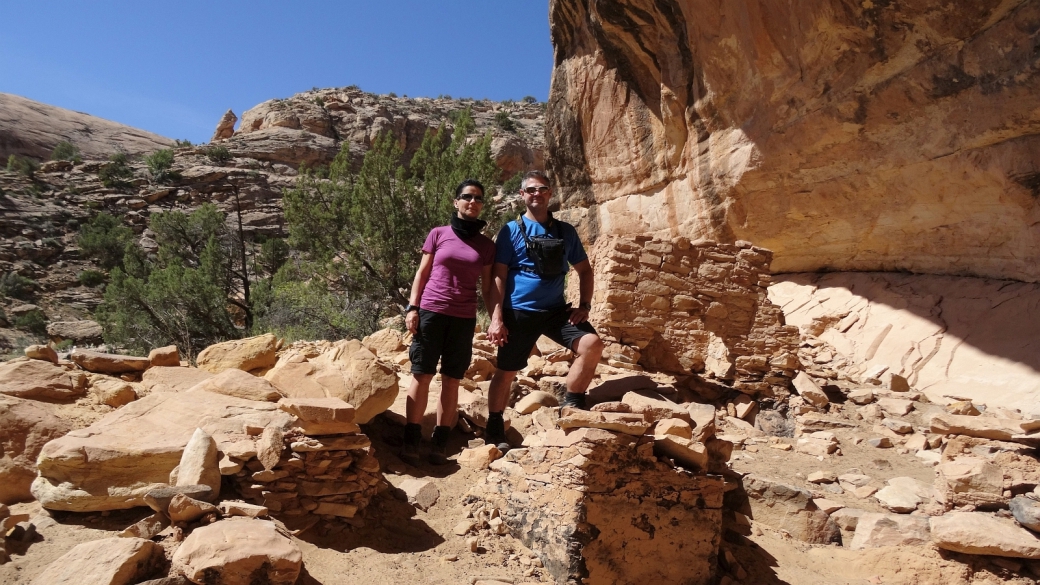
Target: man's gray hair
535	175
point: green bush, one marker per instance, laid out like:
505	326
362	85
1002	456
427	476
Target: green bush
91	278
33	322
218	154
65	150
64	345
392	94
503	121
117	172
160	164
16	286
104	238
529	99
181	143
22	165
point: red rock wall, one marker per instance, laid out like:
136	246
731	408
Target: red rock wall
872	135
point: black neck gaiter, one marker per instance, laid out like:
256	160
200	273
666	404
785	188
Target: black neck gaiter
466	228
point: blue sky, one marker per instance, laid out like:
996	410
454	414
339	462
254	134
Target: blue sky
174	67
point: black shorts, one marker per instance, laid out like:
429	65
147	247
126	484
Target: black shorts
445	338
525	327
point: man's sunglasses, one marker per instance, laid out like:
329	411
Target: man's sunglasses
533	190
471	197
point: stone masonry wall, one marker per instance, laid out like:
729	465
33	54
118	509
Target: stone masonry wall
598	507
697	308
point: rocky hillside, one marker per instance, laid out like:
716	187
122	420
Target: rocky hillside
311	127
842	136
32	129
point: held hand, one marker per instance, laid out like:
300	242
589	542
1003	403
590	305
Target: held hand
578	316
411	320
497	333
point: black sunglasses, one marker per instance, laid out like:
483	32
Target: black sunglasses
471	197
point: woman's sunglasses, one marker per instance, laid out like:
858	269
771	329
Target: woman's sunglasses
471	197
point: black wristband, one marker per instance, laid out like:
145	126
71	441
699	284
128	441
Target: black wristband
585	306
410	308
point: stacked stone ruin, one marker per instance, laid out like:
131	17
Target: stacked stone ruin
315	468
694	307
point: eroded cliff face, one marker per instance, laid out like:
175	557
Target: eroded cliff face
874	135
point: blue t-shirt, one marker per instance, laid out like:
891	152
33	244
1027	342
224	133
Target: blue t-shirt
525	290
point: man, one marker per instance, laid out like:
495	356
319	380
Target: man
527	300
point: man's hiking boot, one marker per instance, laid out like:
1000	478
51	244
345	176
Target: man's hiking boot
410	446
574	400
439	449
495	433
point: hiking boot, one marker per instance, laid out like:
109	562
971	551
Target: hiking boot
410	454
410	446
495	433
574	400
439	449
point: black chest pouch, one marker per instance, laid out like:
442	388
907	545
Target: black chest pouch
545	250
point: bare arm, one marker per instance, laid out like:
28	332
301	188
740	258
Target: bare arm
497	332
486	286
422	276
586	284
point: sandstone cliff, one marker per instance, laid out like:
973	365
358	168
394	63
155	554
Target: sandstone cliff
32	129
310	127
840	135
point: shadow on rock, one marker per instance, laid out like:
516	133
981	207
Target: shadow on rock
389	526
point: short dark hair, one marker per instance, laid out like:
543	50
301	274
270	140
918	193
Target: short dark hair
468	183
535	175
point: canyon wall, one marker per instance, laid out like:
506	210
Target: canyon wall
842	135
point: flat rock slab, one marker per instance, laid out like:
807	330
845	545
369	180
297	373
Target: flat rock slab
108	363
172	378
84	330
239	551
1026	512
109	561
421	493
876	530
790	508
1000	429
113	463
981	534
40	380
235	382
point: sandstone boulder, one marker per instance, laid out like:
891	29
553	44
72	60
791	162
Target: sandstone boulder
164	356
809	390
969	481
976	533
172	379
385	342
108	363
252	353
111	391
25	427
41	352
631	424
239	551
347	371
284	145
321	416
79	331
877	530
113	463
109	561
235	382
185	509
789	508
421	493
40	380
198	464
1026	512
535	400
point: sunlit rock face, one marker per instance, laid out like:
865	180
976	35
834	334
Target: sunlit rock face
869	135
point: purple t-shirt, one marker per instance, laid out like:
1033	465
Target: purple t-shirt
457	263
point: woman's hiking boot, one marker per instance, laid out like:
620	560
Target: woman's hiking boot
439	449
574	400
410	447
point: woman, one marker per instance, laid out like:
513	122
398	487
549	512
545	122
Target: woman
442	315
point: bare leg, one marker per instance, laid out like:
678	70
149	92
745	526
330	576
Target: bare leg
588	349
448	406
418	394
498	392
